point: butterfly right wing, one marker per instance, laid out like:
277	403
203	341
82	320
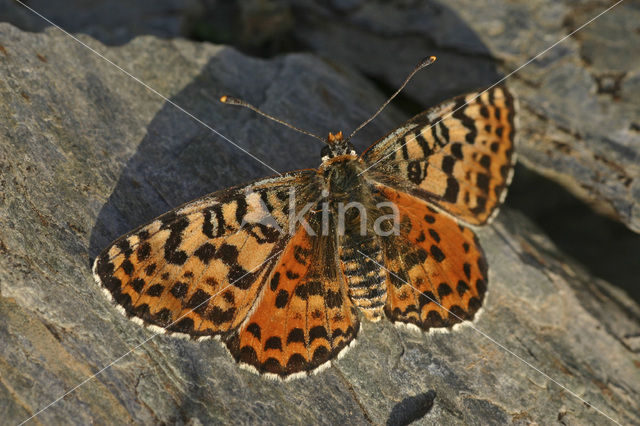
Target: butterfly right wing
199	269
458	155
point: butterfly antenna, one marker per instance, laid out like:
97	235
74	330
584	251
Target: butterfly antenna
422	64
239	102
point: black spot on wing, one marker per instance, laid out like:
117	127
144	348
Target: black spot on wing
467	270
317	332
444	131
482	181
273	342
254	329
462	287
434	319
125	247
213	224
426	297
138	284
281	299
240	277
296	363
184	325
143	252
447	164
228	254
127	267
205	252
444	290
451	192
263	233
437	254
275	280
228	297
311	288
320	356
424	145
220	316
171	252
241	209
301	254
198	301
271	365
179	290
155	290
295	335
163	317
456	150
485	161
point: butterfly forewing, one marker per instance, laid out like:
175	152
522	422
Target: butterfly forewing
458	156
199	269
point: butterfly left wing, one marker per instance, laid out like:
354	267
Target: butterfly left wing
198	270
459	155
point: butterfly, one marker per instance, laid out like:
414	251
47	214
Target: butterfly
282	269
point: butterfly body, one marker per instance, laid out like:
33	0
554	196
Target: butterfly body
281	269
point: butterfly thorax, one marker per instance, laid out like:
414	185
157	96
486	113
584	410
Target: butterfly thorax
342	177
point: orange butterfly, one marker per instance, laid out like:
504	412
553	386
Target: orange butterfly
279	268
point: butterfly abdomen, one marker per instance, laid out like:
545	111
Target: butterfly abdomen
361	260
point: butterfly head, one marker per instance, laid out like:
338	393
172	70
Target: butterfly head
336	146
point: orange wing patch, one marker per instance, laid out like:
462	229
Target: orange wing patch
305	317
459	156
438	272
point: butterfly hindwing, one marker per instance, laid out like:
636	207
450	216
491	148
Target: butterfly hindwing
305	317
199	269
437	272
458	155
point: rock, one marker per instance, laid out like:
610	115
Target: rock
86	153
110	21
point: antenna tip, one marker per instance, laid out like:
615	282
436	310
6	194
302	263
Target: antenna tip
426	61
226	99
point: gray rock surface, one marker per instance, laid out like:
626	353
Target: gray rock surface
86	153
110	21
